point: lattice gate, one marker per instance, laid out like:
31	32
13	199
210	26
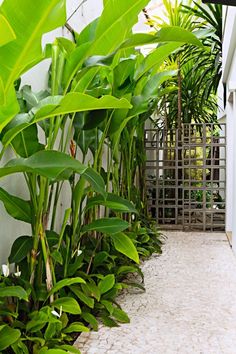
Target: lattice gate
186	176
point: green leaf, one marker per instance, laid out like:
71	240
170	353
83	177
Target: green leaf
76	327
8	336
155	58
62	105
38	340
100	258
82	296
164	35
18	208
91	290
57	257
25	51
106	225
7	33
113	202
52	351
65	282
124	245
52	164
68	304
178	34
135	285
14	291
50	330
26	143
19	347
127	269
89	318
20	249
70	349
106	33
108	305
120	316
106	283
79	102
95	180
109	322
114	25
52	238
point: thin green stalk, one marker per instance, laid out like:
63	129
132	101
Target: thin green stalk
98	154
69	133
64	223
55	202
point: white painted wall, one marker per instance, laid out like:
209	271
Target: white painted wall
229	79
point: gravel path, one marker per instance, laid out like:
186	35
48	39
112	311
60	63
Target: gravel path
189	305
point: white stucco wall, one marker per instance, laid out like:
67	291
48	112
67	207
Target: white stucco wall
229	79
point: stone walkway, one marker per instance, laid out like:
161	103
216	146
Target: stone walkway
189	305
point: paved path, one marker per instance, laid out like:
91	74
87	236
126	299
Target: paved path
189	306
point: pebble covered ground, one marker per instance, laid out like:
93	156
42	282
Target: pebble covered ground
189	305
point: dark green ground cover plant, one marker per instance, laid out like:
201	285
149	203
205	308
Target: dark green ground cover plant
101	90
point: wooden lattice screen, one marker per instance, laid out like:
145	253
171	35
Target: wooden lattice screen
186	176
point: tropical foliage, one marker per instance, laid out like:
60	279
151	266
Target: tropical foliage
199	69
101	90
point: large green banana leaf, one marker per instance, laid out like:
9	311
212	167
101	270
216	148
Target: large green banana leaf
7	33
115	24
106	43
54	165
140	104
29	20
164	35
59	105
106	34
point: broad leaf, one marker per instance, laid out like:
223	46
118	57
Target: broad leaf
65	282
68	304
59	105
16	207
91	290
19	347
82	296
89	318
115	23
106	283
14	291
164	35
57	257
69	349
104	35
26	143
52	164
113	202
20	249
124	245
52	351
19	55
8	336
155	58
109	322
108	305
7	33
76	327
120	315
106	225
100	258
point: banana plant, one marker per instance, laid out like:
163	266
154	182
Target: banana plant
22	48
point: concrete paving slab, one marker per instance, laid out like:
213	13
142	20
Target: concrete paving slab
189	305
